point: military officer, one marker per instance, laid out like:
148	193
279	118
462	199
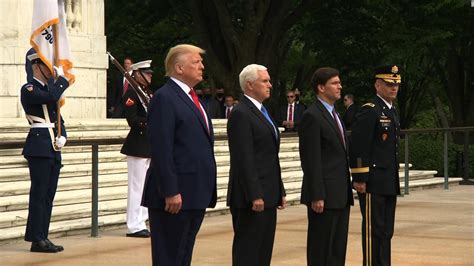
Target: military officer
39	98
137	149
374	166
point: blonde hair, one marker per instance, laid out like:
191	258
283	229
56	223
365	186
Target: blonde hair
249	73
175	54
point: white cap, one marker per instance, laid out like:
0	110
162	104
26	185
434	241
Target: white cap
144	66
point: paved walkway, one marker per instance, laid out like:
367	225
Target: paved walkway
433	227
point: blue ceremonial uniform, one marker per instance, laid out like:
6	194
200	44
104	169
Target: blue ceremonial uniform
44	162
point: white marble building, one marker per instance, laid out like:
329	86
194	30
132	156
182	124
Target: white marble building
85	19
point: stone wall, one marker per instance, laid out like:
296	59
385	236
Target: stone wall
85	21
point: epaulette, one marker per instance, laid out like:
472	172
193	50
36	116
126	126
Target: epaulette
29	87
369	104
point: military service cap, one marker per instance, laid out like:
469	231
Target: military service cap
388	74
143	66
32	56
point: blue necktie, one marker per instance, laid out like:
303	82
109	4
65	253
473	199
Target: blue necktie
265	113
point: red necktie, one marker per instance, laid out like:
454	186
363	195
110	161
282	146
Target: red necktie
290	113
198	106
227	114
125	86
338	125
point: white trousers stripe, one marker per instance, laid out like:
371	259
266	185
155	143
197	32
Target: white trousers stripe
136	214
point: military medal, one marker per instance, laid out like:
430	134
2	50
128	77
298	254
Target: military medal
384	136
385	121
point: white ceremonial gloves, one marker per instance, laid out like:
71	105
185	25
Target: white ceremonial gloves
60	142
59	71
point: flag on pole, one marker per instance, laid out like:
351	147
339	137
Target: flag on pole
51	46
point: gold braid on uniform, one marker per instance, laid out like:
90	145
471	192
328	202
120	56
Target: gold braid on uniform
368	230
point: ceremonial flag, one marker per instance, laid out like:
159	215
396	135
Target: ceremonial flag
49	35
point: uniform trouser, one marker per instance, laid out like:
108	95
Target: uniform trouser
378	219
254	234
327	236
136	214
44	175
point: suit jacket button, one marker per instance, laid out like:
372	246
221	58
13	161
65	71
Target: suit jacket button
37	134
374	165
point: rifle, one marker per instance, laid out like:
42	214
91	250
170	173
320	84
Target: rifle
144	97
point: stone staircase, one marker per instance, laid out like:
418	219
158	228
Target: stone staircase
72	204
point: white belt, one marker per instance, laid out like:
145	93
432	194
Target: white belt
42	125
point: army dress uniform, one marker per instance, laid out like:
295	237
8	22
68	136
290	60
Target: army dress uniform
44	159
373	160
137	149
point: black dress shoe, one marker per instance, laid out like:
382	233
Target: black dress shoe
142	233
42	246
59	248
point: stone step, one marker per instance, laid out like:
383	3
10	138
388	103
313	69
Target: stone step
67	158
14	195
429	183
62	228
288	163
65	209
64	184
417	174
69	170
65	212
19	202
111	217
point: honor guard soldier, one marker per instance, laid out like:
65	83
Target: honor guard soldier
39	98
137	149
374	166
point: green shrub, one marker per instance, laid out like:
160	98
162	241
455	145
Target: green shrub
426	153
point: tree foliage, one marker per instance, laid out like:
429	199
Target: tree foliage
430	40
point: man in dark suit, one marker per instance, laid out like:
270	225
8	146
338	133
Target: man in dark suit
351	110
290	114
255	186
181	180
137	149
220	98
114	98
229	104
326	189
42	150
211	105
374	166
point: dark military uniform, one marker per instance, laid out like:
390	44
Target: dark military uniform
373	160
137	149
44	162
136	143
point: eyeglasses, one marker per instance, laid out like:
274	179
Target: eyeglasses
290	96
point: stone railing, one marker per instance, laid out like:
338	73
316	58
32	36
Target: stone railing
73	15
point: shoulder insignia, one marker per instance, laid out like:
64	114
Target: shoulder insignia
369	105
29	88
129	102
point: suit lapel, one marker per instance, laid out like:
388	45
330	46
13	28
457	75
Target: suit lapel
260	116
185	98
330	119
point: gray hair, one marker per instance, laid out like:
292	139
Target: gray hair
249	73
